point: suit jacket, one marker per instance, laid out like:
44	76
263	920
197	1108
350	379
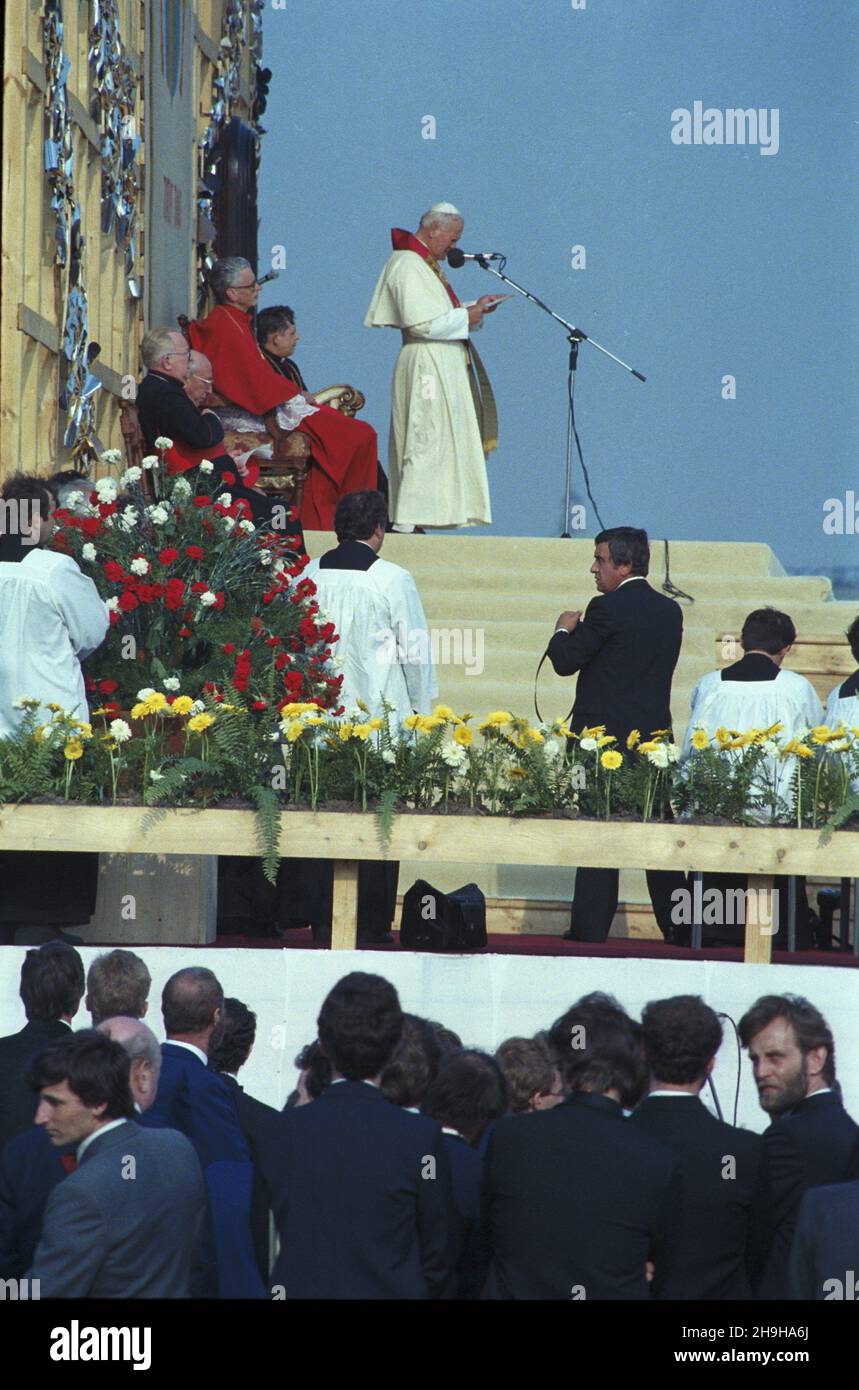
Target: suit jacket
466	1168
811	1146
826	1245
200	1104
164	409
575	1201
726	1228
625	650
361	1195
17	1053
255	1117
124	1223
30	1168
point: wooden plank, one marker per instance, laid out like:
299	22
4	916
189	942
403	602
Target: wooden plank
207	46
760	926
434	839
34	70
344	911
110	380
31	323
149	899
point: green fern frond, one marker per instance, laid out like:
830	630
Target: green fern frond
385	817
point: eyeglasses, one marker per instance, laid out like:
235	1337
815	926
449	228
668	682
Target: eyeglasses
178	354
250	285
205	380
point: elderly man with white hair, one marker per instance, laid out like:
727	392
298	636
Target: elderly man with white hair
443	420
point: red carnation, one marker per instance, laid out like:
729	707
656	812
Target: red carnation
281	661
259	705
168	556
114	571
194	552
199	587
90	525
89	683
272	641
293	681
175	595
228	478
229	648
257	624
128	602
184	632
202	501
108	687
219	601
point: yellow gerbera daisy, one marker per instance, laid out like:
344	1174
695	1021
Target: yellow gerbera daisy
73	749
183	704
700	739
463	736
611	760
633	738
199	724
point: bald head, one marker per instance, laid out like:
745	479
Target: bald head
199	384
193	1006
141	1046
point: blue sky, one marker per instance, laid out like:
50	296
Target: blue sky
553	130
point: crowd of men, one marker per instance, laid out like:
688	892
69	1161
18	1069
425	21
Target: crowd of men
580	1163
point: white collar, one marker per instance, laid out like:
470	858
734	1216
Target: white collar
672	1093
629	579
197	1051
96	1134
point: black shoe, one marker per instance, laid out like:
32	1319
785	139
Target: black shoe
571	935
321	935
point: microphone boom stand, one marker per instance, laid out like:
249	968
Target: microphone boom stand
574	337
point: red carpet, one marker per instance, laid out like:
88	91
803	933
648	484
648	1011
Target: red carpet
613	949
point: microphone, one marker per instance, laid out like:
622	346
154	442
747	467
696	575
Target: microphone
456	258
264	279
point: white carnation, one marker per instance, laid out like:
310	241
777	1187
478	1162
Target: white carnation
388	755
158	515
111	456
74	500
171	682
206	466
229	522
264	557
156	776
162	442
144	694
111	604
120	730
588	744
225	499
151	461
139	565
89	551
106	489
198	707
208	598
552	750
659	756
770	747
131	475
181	488
247	526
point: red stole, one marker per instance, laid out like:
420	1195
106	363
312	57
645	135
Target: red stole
242	374
404	241
181	458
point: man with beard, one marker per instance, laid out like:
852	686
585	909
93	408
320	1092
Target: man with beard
811	1140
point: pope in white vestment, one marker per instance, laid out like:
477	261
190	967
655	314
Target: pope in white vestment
437	452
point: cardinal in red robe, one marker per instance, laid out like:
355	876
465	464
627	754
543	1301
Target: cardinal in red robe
345	451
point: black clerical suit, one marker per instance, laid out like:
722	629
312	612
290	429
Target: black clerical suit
575	1202
726	1228
163	408
625	649
812	1145
255	1119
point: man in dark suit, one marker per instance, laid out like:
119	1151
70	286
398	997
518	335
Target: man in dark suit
625	649
192	1099
576	1202
467	1095
231	1049
824	1257
125	1222
812	1140
52	985
360	1188
31	1165
725	1233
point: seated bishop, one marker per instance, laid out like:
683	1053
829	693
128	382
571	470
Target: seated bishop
173	402
344	451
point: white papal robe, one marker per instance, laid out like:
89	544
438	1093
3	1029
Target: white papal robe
384	643
436	464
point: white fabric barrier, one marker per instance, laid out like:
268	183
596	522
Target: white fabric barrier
484	999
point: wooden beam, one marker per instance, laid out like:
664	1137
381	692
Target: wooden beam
435	839
35	326
34	71
207	46
761	919
344	911
110	380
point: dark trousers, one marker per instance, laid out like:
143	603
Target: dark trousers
595	901
39	888
303	895
733	933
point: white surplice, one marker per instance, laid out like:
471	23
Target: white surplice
437	468
384	643
51	617
789	699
